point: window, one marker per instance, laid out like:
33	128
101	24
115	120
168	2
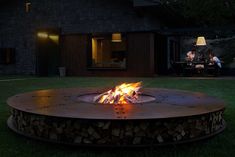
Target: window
27	7
108	51
7	56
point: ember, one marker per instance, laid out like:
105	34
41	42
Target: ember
122	94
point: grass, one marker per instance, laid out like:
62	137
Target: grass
12	145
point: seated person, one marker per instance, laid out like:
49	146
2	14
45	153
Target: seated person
213	59
190	55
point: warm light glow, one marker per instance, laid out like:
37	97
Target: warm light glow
116	37
201	41
94	50
42	35
123	94
54	38
27	7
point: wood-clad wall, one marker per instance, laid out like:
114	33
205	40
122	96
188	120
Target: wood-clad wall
140	56
160	54
74	50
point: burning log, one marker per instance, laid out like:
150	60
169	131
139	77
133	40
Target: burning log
123	94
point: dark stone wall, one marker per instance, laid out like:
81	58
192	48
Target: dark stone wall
18	28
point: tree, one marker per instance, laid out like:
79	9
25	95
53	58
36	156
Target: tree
204	12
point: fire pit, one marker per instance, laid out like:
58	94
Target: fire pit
157	117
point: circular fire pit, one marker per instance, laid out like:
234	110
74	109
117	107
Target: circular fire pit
160	117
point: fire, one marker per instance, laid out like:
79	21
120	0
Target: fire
122	94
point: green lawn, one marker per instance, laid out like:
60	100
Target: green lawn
13	145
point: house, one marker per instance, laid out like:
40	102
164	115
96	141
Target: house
87	37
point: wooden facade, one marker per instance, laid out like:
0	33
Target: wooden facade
75	50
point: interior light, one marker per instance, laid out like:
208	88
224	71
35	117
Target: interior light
201	41
116	37
42	35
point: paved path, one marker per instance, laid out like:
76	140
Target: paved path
198	78
16	79
207	78
157	77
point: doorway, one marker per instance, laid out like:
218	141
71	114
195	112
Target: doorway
47	53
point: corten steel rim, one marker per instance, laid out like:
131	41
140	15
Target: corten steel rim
65	103
168	106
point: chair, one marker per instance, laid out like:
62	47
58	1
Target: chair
200	69
189	69
213	70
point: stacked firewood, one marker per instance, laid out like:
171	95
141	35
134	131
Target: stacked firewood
108	132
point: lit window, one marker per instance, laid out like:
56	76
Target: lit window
27	7
107	53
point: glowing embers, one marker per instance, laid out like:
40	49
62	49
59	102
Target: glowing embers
123	94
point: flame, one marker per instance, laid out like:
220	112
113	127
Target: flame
122	94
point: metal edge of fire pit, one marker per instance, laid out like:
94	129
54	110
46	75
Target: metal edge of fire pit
212	119
70	105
